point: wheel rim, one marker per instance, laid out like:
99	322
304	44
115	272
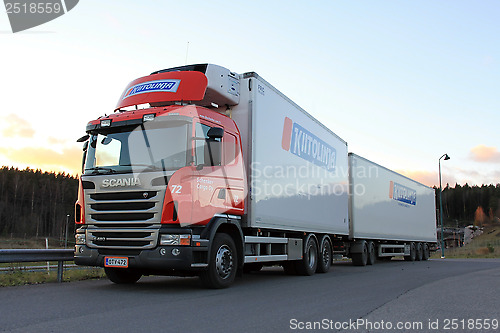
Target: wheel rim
224	261
326	254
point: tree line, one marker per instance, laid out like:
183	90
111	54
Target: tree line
37	204
463	205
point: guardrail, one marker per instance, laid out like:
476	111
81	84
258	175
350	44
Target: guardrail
38	255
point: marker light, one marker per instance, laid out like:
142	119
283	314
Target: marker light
80	239
148	117
106	123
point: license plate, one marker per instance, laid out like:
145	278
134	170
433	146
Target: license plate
115	262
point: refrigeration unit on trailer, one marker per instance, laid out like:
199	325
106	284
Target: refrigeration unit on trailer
202	171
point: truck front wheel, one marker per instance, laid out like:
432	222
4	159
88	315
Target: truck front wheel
122	275
223	263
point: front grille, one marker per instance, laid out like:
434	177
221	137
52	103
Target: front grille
122	238
118	207
123	206
136	195
122	216
127	220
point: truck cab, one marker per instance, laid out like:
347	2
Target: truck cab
160	174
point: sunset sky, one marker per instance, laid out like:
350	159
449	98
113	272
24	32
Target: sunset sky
403	82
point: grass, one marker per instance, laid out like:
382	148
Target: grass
486	245
18	276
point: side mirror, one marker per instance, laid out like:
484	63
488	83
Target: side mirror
83	138
215	133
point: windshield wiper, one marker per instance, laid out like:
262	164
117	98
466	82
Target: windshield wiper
95	170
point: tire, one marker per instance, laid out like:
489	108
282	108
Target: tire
426	252
420	252
252	267
325	256
309	262
222	264
360	259
122	275
413	253
371	254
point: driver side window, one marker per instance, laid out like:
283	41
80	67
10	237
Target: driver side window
207	151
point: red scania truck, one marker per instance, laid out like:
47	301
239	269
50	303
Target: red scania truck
202	171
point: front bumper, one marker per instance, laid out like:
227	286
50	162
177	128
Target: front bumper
161	258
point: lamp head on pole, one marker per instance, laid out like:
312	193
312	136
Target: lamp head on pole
446	157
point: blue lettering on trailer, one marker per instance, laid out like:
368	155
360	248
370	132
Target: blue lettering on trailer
309	147
404	194
153	86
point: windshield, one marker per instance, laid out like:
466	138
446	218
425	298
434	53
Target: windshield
151	146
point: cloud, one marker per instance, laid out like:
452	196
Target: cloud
482	153
67	160
17	127
429	178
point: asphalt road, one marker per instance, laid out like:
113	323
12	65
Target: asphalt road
389	293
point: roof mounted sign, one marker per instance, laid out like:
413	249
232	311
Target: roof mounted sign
203	84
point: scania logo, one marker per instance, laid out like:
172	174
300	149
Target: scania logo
121	182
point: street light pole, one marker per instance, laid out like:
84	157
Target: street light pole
446	157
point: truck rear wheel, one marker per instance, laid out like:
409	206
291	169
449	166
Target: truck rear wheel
371	254
222	264
325	256
122	275
309	262
413	253
360	259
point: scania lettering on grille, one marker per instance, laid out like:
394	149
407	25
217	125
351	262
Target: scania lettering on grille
121	182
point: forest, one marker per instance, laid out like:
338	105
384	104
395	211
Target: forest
35	204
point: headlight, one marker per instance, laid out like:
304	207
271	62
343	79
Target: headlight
173	239
80	239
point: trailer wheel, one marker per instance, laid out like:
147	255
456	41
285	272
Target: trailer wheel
122	275
371	254
426	252
413	254
420	252
325	256
222	264
360	259
309	262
